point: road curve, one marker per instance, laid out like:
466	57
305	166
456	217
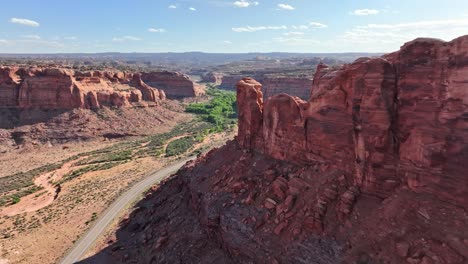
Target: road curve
84	244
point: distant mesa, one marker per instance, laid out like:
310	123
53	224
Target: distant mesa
54	88
272	83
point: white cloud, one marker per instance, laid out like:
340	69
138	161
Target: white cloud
365	12
387	37
285	7
317	25
311	25
294	33
24	22
70	38
296	41
32	37
260	28
192	9
3	41
245	3
125	38
301	27
172	7
227	42
156	30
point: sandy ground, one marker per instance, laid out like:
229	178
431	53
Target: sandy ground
33	202
44	230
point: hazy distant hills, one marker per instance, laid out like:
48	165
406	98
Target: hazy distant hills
187	58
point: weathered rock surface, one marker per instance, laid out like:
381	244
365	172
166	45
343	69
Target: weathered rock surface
174	84
391	121
369	170
56	88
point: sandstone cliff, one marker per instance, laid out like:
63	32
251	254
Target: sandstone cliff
368	170
56	88
174	84
391	121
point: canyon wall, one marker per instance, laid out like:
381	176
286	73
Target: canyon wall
398	120
175	85
57	88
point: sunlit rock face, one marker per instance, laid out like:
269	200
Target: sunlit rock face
174	84
56	88
391	121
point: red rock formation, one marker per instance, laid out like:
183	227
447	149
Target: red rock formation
213	77
369	170
175	85
55	88
391	121
9	82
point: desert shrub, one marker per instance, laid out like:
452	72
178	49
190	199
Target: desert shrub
180	146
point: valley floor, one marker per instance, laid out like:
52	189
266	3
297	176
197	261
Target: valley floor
86	177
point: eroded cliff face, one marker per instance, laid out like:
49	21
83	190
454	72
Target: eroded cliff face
394	121
56	88
175	85
369	170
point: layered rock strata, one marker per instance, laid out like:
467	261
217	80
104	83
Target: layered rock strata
57	88
175	84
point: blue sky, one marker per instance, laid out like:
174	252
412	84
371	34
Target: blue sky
31	26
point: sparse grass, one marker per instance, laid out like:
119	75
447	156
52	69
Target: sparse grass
22	180
16	197
77	173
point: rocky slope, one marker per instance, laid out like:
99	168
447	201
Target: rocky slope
176	85
369	170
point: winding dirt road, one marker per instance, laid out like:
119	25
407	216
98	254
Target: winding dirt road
89	238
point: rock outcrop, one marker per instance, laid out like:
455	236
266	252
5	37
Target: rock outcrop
368	170
56	88
174	84
213	77
399	120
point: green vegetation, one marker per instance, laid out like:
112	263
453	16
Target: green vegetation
22	180
77	173
221	111
180	146
16	197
